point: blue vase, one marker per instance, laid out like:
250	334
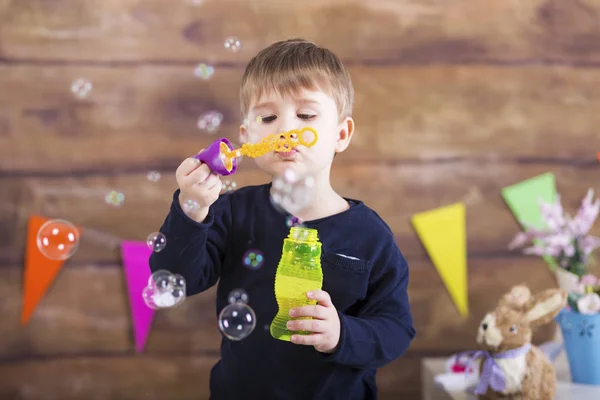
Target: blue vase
581	334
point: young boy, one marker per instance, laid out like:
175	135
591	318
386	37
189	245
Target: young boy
362	320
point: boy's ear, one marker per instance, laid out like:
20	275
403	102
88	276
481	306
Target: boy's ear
346	130
243	133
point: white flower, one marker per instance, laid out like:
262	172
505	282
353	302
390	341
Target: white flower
589	304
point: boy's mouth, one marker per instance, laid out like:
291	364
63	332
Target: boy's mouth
287	154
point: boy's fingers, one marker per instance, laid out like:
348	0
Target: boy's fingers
309	340
200	175
188	166
315	311
310	325
321	296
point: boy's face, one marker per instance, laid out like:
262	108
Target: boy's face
275	114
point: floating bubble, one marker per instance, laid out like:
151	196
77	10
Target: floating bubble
58	239
156	241
237	321
228	186
238	295
210	121
164	290
253	259
291	193
81	87
114	198
153	176
204	71
233	44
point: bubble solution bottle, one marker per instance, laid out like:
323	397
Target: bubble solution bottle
299	271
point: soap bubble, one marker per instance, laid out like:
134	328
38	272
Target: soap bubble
238	295
57	239
204	71
114	198
164	290
210	121
253	259
156	241
153	176
292	193
237	321
233	44
228	186
81	87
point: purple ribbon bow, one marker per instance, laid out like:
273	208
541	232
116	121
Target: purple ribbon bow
492	375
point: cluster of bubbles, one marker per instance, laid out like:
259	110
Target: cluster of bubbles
237	320
210	121
292	193
58	239
164	290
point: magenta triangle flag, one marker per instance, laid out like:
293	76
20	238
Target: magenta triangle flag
136	256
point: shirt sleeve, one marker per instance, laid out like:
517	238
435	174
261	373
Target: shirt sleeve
194	250
383	328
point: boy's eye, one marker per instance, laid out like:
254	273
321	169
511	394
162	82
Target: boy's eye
306	116
267	119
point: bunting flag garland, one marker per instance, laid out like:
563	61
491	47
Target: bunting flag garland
443	233
41	272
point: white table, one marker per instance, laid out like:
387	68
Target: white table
565	390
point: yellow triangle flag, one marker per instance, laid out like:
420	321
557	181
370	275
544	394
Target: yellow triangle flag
444	235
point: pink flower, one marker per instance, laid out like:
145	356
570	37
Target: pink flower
553	214
588	244
589	280
586	215
564	238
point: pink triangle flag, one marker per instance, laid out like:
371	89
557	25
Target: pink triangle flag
136	257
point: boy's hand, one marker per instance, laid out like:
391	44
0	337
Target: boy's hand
325	323
198	185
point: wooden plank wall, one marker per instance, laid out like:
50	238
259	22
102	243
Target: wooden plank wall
455	99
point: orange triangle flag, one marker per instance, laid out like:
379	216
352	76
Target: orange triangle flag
40	271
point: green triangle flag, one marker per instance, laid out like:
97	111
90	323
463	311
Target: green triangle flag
523	199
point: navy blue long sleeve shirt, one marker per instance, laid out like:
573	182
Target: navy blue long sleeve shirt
363	271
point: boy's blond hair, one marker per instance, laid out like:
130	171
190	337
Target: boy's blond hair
291	65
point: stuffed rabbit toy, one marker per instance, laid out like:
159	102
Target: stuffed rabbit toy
512	368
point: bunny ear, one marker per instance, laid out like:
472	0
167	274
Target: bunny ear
517	298
545	306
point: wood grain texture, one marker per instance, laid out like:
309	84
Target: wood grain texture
87	312
379	31
395	192
145	117
153	377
